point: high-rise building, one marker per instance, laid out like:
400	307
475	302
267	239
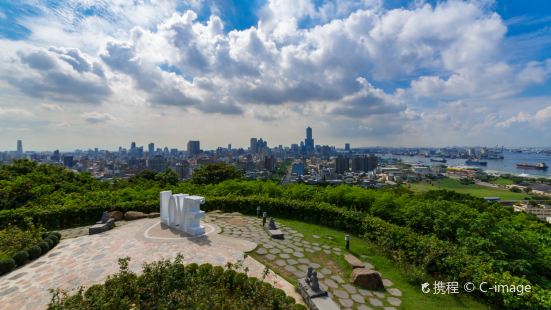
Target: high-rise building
193	147
151	149
342	164
309	141
132	145
270	163
68	161
182	170
19	147
229	147
347	147
364	163
252	147
157	163
56	156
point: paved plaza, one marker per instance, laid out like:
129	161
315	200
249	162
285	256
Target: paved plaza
87	260
83	260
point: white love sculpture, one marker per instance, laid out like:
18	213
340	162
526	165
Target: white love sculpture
182	212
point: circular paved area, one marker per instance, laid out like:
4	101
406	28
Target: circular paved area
87	260
294	255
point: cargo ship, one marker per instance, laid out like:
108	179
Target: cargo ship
476	162
438	160
540	165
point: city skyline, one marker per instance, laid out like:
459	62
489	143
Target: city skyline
78	74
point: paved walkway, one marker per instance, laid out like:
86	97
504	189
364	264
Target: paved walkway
87	260
293	255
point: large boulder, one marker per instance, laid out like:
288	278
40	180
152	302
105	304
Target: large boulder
154	214
367	278
354	261
134	215
116	215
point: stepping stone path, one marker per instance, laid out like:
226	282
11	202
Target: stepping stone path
293	255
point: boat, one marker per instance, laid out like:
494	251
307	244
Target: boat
540	166
476	162
438	160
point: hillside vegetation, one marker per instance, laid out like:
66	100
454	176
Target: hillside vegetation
450	235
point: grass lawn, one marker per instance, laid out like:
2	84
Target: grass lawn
503	181
473	189
412	296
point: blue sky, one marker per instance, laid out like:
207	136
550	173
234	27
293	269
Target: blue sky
367	72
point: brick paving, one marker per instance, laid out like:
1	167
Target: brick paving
87	260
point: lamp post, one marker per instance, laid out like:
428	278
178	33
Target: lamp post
347	241
264	216
257	211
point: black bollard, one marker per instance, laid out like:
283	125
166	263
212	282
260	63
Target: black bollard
347	241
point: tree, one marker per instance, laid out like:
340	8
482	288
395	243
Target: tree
215	173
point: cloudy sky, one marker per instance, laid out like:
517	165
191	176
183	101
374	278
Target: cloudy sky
84	73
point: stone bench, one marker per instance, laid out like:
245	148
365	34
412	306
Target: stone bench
275	233
101	227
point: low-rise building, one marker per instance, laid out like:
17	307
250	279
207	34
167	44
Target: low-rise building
541	211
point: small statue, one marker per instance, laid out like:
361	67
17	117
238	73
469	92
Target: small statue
314	284
309	274
271	224
105	217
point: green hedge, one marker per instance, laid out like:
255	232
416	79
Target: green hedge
53	218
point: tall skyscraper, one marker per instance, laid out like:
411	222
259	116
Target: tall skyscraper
252	147
347	147
193	147
151	149
19	147
309	141
132	145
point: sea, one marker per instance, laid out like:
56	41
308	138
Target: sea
499	166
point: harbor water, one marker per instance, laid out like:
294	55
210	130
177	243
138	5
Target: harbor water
506	165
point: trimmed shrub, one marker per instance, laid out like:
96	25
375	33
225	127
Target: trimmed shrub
7	265
57	234
34	252
44	246
54	238
21	257
50	242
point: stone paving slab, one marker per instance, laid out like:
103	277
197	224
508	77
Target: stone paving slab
87	260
